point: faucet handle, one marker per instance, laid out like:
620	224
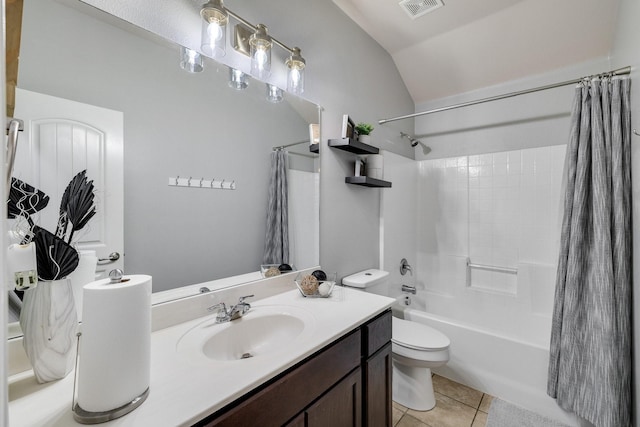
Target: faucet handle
241	300
221	307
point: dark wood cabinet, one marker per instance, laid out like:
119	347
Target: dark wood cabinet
347	383
376	373
339	407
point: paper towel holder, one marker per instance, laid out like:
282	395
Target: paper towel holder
86	417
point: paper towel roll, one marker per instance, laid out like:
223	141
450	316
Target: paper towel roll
115	346
375	166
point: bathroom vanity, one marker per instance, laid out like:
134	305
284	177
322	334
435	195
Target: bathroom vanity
348	383
330	364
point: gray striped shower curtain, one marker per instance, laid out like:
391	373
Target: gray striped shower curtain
276	243
590	354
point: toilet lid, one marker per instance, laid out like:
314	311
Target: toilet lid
417	336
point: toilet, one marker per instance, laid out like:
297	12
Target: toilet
416	348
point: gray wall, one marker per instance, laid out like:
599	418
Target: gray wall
175	124
347	72
627	52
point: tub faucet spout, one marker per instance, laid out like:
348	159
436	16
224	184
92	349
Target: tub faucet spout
409	289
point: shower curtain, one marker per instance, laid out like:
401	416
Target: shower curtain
276	244
590	354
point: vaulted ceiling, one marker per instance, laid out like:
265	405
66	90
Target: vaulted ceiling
471	44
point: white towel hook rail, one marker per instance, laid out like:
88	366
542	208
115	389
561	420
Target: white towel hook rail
217	184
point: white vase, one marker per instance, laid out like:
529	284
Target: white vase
365	139
49	323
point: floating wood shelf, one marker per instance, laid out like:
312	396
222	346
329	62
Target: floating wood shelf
353	146
366	181
314	148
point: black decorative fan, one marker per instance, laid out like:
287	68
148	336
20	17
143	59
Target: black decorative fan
24	199
77	206
56	258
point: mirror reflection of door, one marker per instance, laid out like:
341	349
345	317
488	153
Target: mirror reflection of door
62	138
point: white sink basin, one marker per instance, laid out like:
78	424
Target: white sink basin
262	331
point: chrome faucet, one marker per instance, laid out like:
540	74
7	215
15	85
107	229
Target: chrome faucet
234	312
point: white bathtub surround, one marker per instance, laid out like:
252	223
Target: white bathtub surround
500	209
495	364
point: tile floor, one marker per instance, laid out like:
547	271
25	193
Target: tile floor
456	406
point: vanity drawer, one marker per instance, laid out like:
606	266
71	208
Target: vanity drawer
376	334
277	402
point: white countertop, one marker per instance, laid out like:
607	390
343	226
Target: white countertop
184	390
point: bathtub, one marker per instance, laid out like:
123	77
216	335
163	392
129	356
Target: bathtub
511	369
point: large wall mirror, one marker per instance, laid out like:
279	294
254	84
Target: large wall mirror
176	124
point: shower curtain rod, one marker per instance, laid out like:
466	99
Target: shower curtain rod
618	72
290	145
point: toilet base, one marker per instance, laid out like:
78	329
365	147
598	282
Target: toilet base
413	387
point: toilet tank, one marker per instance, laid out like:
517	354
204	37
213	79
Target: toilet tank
366	279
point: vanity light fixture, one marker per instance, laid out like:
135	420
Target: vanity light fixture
260	43
295	76
237	79
214	28
274	94
251	40
190	60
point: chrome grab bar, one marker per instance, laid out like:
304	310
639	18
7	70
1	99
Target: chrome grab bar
13	127
496	268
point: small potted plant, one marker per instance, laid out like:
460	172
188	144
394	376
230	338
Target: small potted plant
363	130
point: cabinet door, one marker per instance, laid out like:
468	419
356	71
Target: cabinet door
339	407
377	378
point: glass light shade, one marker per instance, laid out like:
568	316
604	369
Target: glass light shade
237	79
214	29
274	94
260	44
295	76
190	60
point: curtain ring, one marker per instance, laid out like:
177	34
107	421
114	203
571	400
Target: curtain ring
189	182
222	183
212	181
201	179
177	179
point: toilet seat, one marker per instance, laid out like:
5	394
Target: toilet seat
417	336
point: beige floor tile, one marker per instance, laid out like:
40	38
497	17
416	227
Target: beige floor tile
486	403
480	420
399	406
447	413
409	421
396	415
457	391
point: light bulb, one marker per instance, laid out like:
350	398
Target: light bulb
215	32
295	77
261	57
190	60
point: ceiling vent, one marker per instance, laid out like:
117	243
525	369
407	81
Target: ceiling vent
417	8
